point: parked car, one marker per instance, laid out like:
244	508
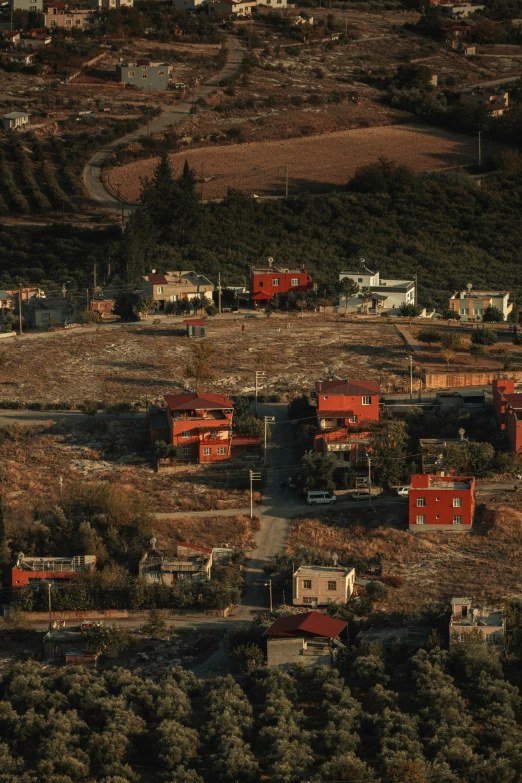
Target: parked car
403	492
319	497
362	495
292	483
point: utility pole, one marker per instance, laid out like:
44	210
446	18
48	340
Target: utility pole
87	297
369	482
49	600
94	277
20	309
258	376
411	378
268	420
416	301
60	482
219	293
270	588
253	477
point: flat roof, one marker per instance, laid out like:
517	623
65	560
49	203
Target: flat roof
322	571
15	115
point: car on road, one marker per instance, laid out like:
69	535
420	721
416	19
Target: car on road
320	497
251	315
403	492
361	495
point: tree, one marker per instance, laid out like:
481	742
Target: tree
388	451
317	472
481	457
448	355
429	336
199	368
347	288
412	76
484	337
158	196
129	306
478	351
251	426
452	340
176	744
324	302
492	314
506	359
107	640
409	310
155	624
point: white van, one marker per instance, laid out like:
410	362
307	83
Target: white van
316	497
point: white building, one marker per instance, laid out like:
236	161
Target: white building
108	5
459	10
315	586
470	304
28	5
382	295
15	119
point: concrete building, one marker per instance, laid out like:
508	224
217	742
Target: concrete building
342	403
41	313
268	282
144	75
470	304
376	294
322	585
441	502
59	570
35	39
195	326
232	9
507	406
494	100
108	5
165	287
67	16
345	447
66	646
190	563
432	452
458	10
479	623
27	5
15	119
309	639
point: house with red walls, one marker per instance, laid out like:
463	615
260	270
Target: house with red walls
507	406
201	424
346	403
441	502
61	570
268	282
346	447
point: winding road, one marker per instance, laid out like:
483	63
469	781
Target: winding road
170	116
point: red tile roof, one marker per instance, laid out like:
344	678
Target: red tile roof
196	548
354	388
191	402
515	400
313	623
156	278
195	321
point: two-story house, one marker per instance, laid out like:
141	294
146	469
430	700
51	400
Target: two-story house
376	294
478	622
144	74
315	586
495	101
267	283
165	287
343	403
344	446
507	407
470	304
59	570
67	15
191	562
441	502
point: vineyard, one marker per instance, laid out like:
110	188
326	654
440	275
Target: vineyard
44	175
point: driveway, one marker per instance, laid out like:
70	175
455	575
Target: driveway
169	117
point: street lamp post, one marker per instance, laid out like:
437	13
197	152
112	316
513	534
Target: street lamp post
410	358
259	374
253	477
369	482
268	420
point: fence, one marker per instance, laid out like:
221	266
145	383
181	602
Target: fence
454	380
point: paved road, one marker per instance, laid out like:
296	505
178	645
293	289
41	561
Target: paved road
170	116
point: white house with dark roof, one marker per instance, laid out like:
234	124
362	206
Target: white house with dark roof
382	295
15	119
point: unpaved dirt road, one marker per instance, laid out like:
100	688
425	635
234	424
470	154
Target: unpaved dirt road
315	164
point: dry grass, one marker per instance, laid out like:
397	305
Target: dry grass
434	566
206	531
146	361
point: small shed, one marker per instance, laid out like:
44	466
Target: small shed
15	119
195	327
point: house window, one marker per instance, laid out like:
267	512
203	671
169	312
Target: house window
144	76
186	451
159	289
222	450
359	279
332	585
161	73
185	434
207	451
367	401
294	281
131	74
78	21
261	284
153	575
421	502
275	281
307	584
457	520
68	22
143	67
308	600
457	502
421	519
353	419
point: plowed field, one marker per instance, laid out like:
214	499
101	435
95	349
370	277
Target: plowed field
315	164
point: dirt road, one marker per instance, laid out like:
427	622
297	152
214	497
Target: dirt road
172	115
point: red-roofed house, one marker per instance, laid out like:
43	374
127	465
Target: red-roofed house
507	406
270	281
310	639
346	403
202	425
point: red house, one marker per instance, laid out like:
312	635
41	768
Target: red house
31	570
346	403
202	425
441	502
344	446
507	406
267	282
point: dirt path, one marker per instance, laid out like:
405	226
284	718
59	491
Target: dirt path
170	116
